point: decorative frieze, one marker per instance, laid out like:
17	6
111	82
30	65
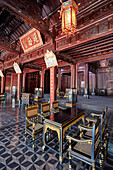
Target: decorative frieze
87	33
37	53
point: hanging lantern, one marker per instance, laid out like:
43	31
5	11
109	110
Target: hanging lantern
68	15
104	63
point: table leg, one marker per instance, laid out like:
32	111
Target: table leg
61	146
83	119
44	138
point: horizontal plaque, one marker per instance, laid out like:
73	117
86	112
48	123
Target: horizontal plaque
31	40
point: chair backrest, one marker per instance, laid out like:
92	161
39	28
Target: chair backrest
103	118
96	139
31	111
104	123
45	107
55	104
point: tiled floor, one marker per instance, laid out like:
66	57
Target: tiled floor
15	154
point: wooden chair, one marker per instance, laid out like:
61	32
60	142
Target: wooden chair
45	109
33	127
55	106
3	97
104	129
86	150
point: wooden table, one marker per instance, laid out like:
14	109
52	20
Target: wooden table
60	122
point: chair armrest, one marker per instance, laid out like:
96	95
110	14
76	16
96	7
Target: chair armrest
63	108
30	121
91	120
40	115
78	140
45	114
56	108
85	127
95	114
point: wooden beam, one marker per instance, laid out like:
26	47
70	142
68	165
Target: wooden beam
65	58
4	47
92	47
32	66
4	38
1	60
29	12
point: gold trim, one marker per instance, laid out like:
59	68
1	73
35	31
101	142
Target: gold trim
66	127
52	128
25	35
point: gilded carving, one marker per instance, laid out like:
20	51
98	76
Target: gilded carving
52	128
25	43
30	41
35	38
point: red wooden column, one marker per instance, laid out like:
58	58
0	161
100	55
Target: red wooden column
59	79
96	82
76	75
23	82
76	79
42	81
19	87
86	77
11	83
52	85
2	84
72	76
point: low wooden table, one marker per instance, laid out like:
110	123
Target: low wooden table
60	122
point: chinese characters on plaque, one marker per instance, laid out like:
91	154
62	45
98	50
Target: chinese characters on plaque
50	59
31	40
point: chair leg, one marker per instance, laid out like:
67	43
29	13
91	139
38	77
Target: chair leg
25	136
93	166
47	135
102	153
100	159
33	142
70	166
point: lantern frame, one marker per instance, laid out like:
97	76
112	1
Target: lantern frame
104	63
69	5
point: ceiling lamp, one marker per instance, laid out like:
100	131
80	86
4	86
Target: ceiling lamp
68	15
1	74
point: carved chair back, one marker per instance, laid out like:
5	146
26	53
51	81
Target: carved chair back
96	139
103	118
45	109
32	113
55	104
